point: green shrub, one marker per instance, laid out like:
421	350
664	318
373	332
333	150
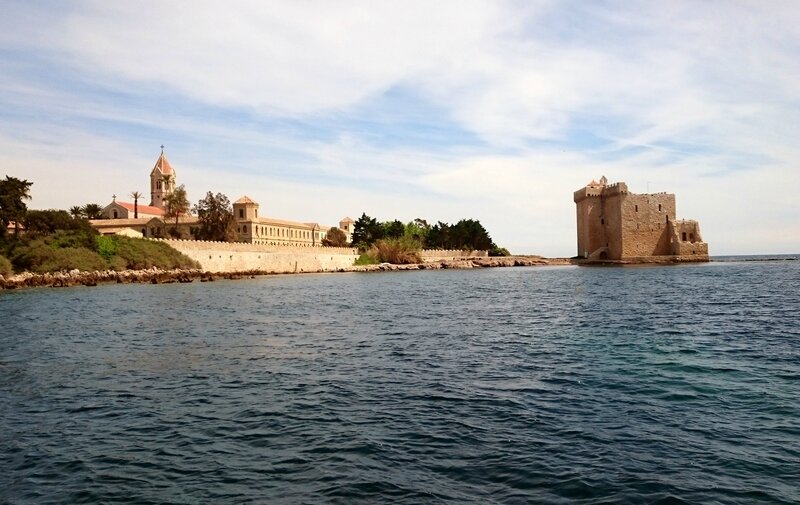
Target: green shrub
67	258
5	267
106	247
398	251
368	258
138	253
499	251
78	239
68	250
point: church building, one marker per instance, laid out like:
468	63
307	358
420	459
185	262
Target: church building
135	219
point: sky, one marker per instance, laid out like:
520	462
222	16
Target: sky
496	111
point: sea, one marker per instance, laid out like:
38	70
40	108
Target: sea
649	384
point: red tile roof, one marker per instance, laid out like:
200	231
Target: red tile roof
162	165
146	209
245	199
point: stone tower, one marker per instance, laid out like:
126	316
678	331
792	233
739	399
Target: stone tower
162	181
615	224
245	209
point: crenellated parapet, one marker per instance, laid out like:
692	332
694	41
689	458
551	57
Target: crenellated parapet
617	188
617	225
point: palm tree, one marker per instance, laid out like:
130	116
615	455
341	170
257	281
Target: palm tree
76	211
136	195
93	211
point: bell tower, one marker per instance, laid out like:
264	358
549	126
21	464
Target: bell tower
245	209
162	181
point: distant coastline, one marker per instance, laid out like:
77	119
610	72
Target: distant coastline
170	276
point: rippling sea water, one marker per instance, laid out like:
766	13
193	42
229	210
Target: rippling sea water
554	385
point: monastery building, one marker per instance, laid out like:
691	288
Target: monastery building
134	219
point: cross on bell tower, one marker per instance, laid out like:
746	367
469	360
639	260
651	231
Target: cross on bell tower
162	180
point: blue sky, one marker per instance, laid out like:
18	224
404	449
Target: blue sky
496	111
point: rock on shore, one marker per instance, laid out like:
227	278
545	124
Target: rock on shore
490	262
157	276
78	278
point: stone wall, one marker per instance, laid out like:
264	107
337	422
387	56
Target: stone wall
224	257
644	223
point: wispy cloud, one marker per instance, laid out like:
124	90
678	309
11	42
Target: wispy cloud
493	110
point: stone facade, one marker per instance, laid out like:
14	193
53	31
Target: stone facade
615	224
223	257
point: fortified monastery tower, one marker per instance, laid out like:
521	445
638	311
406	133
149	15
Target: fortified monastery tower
614	224
162	181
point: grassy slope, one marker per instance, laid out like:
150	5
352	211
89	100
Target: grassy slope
86	251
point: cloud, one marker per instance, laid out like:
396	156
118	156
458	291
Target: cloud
494	110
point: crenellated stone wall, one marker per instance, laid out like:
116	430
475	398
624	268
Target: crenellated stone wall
225	257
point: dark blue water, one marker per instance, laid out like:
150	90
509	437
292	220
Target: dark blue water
517	385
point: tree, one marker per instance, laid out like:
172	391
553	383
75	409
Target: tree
136	195
48	221
335	238
93	211
13	193
393	229
77	212
439	236
417	230
215	215
466	234
366	231
176	204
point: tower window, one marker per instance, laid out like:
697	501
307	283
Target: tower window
636	208
602	221
241	213
659	207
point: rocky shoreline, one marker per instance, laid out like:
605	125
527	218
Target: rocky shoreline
158	276
468	263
